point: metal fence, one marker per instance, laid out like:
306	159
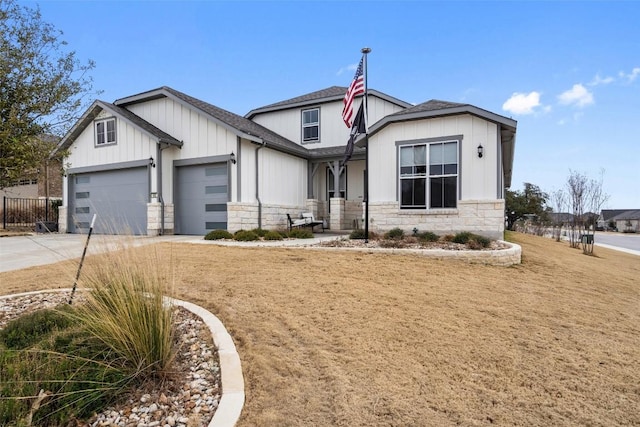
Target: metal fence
30	213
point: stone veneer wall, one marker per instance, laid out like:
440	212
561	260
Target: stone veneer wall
244	216
484	217
154	218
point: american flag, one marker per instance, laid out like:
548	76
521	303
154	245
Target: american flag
356	88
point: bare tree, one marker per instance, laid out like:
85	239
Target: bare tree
586	197
596	198
558	201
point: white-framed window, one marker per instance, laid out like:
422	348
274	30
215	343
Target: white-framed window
429	175
106	131
311	125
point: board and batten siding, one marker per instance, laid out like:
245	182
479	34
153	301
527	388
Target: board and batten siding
202	137
131	144
333	131
283	178
478	176
282	181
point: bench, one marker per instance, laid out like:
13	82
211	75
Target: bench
307	220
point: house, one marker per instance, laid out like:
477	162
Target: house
42	182
623	220
165	162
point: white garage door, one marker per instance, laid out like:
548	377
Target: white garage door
119	198
201	198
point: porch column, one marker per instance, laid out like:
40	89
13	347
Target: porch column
337	213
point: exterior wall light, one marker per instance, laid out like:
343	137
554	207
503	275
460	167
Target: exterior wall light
232	158
480	150
151	162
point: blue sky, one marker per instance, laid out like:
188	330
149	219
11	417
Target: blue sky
568	72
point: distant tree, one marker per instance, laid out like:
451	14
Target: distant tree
558	201
586	198
43	89
529	202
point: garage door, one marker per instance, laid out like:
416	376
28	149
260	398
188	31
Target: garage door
201	198
118	197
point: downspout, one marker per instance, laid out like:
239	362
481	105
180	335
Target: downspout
159	185
262	144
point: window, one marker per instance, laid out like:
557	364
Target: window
106	132
438	185
331	185
311	125
331	192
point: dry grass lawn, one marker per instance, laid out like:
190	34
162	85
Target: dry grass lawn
364	339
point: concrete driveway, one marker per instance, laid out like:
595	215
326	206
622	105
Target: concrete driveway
40	249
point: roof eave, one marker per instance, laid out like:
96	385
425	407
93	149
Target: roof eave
323	100
463	109
90	115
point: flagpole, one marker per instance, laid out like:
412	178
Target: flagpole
365	51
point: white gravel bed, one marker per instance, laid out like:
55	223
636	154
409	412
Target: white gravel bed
189	396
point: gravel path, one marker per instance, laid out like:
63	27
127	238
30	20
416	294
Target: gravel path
188	398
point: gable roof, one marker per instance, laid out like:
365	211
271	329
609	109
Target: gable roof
236	124
330	94
621	214
158	135
437	108
608	214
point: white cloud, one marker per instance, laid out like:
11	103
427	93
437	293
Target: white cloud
351	67
578	95
597	80
631	76
522	103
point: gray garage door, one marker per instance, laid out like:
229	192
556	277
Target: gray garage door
118	197
201	198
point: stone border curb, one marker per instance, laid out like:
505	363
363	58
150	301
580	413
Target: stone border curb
232	398
501	257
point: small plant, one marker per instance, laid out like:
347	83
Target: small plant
260	232
272	235
394	233
428	236
462	237
29	329
246	236
284	233
483	242
218	234
300	233
358	233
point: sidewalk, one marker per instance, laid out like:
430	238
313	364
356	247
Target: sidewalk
40	249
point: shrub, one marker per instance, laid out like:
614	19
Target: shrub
301	233
462	237
245	236
483	242
30	329
126	310
283	232
218	234
428	236
358	233
260	232
272	235
394	233
78	383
